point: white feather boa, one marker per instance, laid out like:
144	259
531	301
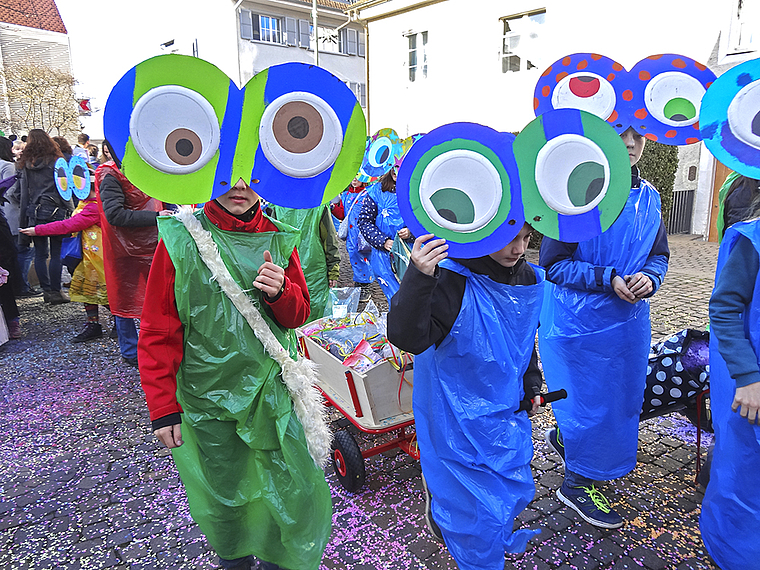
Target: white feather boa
298	375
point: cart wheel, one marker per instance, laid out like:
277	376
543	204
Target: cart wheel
347	461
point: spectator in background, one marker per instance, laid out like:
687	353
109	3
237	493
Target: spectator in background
93	150
40	203
11	208
80	149
129	233
65	147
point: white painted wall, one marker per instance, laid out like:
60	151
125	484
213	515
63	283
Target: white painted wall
465	82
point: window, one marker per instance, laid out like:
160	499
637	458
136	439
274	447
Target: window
304	34
521	32
417	56
330	40
744	33
360	90
260	28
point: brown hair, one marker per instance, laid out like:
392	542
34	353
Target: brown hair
387	183
39	148
64	145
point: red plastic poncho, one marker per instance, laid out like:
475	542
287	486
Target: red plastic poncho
127	251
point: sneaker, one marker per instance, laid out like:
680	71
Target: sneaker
591	504
432	526
131	361
30	293
14	329
47	296
91	332
57	298
114	334
554	442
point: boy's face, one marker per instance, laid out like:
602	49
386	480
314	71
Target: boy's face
239	199
634	142
509	255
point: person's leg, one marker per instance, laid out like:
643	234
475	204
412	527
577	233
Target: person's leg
245	563
41	252
92	329
25	257
127	339
55	267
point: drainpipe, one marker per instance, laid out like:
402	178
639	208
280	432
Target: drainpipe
316	31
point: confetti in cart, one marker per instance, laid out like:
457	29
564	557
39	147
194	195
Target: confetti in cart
366	379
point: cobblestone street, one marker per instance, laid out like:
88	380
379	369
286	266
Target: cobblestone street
84	484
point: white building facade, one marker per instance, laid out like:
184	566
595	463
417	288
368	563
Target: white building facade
432	62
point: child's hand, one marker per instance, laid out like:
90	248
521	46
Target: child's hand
639	284
747	402
271	277
404	233
28	231
170	436
425	256
536	407
622	291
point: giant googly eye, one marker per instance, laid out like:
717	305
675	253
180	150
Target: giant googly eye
460	183
382	149
300	134
584	81
730	118
585	91
63	180
575	174
80	176
309	135
174	129
667	93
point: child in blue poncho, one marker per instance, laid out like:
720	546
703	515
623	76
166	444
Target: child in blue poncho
730	519
594	340
473	324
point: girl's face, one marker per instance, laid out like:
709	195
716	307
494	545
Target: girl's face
634	142
355	183
107	153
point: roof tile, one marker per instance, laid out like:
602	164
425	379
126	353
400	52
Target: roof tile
39	14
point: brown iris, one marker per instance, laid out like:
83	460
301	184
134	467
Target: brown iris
298	127
183	146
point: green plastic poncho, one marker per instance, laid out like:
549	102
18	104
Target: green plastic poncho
311	253
251	484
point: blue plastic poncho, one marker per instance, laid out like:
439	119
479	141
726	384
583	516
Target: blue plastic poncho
389	222
359	259
730	519
595	346
475	448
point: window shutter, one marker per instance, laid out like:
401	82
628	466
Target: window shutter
256	26
352	42
363	97
246	27
304	32
361	44
354	89
291	32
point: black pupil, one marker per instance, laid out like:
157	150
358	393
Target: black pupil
298	127
384	156
756	125
448	215
184	147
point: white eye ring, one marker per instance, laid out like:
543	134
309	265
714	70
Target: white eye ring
305	164
555	162
661	89
601	104
165	109
462	169
384	142
743	108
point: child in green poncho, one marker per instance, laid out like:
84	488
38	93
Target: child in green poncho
241	452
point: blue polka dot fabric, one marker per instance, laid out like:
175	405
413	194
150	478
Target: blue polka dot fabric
678	370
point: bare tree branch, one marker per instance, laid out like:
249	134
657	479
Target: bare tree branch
40	97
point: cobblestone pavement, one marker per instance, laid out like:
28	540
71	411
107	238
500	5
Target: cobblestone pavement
83	483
